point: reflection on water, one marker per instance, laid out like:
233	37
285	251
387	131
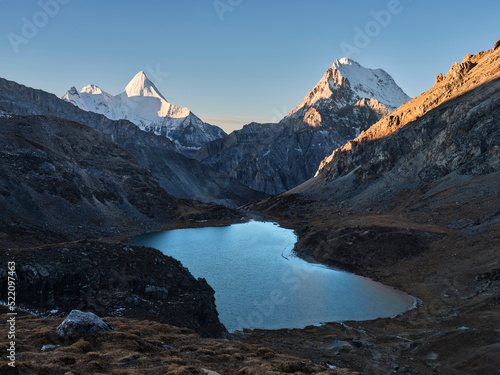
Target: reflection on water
260	283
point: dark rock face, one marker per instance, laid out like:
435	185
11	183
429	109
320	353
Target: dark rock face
268	157
189	179
277	157
82	322
113	280
61	180
178	175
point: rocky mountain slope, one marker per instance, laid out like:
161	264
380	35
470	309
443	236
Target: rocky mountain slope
277	157
177	174
146	348
143	104
413	202
63	178
60	180
450	130
112	280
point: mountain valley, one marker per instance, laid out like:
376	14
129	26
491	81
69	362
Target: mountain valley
403	191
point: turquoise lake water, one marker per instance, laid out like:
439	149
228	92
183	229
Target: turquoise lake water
260	283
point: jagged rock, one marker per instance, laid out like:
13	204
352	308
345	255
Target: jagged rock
82	322
496	45
458	71
439	78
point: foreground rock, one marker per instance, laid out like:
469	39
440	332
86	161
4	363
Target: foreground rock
112	280
82	322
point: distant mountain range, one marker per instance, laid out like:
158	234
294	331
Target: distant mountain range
142	104
177	174
277	157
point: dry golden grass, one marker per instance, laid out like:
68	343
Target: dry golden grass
141	347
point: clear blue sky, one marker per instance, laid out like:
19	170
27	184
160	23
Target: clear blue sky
253	61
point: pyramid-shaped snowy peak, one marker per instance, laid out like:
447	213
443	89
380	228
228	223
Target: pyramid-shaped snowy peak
140	85
144	105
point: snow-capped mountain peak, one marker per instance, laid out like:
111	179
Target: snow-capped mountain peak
91	89
347	82
371	83
140	85
144	105
344	61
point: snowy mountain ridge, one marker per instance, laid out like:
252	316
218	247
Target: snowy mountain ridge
347	82
274	158
143	104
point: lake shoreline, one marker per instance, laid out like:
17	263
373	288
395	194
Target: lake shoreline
402	341
458	300
252	253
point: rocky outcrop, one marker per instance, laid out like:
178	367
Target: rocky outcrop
61	180
178	175
277	157
112	280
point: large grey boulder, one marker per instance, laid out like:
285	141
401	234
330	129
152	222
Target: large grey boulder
82	322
